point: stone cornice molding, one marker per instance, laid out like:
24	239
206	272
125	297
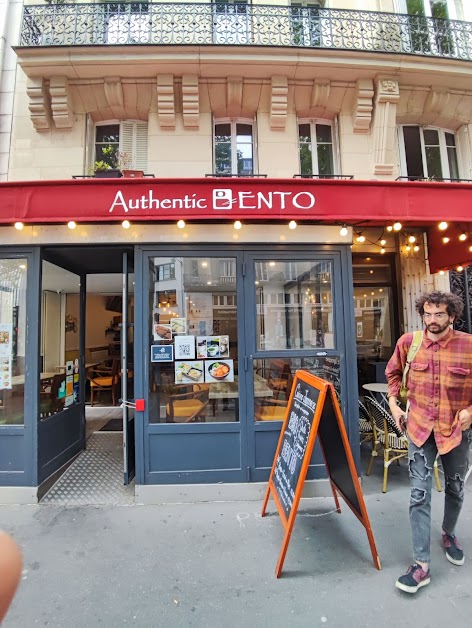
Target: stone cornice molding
320	93
190	101
39	104
114	91
278	103
166	101
386	100
363	106
61	102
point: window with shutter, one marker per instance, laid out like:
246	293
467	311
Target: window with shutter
125	143
134	142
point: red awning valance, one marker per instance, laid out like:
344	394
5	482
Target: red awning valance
103	200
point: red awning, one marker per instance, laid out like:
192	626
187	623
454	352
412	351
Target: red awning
112	200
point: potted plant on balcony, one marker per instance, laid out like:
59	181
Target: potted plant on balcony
107	168
126	165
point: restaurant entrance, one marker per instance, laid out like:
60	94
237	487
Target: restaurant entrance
224	331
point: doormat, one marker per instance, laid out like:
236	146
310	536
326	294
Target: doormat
113	425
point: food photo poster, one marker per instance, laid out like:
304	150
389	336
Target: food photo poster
212	346
188	371
162	332
219	371
178	325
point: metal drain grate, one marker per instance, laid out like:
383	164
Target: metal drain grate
96	477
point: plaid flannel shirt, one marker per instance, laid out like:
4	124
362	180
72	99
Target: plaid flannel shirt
439	385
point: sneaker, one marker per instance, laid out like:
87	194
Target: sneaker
414	579
454	553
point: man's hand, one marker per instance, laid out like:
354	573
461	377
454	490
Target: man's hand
399	416
465	419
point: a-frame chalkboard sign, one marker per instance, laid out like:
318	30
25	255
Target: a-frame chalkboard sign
313	410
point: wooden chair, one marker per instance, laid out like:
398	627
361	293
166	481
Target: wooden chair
189	406
366	430
280	378
274	408
103	378
393	441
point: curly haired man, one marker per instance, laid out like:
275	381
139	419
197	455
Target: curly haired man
438	420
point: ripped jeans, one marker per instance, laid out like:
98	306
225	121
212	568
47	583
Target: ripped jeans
420	462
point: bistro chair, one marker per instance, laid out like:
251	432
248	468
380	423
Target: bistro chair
274	408
393	441
104	378
188	407
365	425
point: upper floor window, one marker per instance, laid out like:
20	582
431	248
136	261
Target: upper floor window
315	143
166	271
234	148
430	35
122	145
428	153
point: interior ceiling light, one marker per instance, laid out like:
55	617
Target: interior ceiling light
181	224
463	237
19	226
445	240
204	264
72	224
343	231
237	224
397	226
360	238
412	239
126	224
292	224
443	225
371	272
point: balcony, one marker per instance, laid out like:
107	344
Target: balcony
142	23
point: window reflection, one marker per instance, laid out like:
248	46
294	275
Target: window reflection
12	340
294	302
193	338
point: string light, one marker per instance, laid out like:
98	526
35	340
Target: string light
383	242
292	224
443	226
360	238
19	226
389	228
463	237
181	224
126	224
441	272
343	231
460	269
237	224
416	248
408	248
445	240
397	226
382	251
412	239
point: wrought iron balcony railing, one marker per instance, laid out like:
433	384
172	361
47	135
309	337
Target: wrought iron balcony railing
243	25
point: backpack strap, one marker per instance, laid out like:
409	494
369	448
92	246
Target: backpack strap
412	351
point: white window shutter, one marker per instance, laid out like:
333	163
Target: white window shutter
134	142
464	153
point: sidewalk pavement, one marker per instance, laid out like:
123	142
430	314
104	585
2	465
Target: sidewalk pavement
213	564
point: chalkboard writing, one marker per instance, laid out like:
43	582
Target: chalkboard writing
295	439
326	367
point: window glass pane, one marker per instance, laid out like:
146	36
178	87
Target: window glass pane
244	148
273	379
59	378
193	334
107	144
453	165
325	159
431	137
295	312
433	162
304	133
414	159
450	139
323	133
12	340
306	162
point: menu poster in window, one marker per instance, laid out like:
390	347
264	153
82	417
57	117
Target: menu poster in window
219	371
184	347
76	381
69	383
6	336
213	347
5	373
162	332
178	325
188	372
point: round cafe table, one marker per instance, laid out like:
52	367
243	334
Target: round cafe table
378	390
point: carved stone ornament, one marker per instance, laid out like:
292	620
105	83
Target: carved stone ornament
279	103
166	101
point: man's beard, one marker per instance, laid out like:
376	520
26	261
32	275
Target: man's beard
438	329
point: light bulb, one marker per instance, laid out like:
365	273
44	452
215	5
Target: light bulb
443	225
343	231
460	269
382	251
360	238
19	226
237	224
126	224
408	248
412	239
416	248
292	224
462	237
397	226
383	242
181	224
389	228
445	240
72	224
441	272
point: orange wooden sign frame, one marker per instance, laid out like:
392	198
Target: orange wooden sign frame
325	388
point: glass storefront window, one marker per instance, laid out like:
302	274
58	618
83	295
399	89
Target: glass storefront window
294	301
60	333
12	340
193	340
273	379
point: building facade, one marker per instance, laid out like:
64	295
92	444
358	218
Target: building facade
285	171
